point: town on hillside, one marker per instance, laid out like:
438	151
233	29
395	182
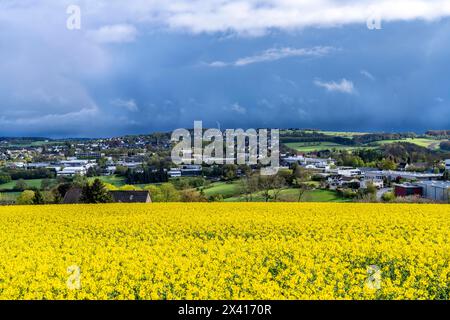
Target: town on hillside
315	166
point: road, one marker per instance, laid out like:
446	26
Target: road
382	191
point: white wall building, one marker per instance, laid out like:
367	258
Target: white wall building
174	173
435	190
77	163
346	171
402	174
73	166
131	165
377	183
447	164
72	171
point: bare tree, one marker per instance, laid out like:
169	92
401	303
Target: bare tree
271	186
248	186
301	176
302	188
278	183
265	186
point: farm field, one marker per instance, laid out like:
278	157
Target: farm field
345	134
291	195
38	143
225	251
230	193
9	196
422	142
311	147
113	179
227	190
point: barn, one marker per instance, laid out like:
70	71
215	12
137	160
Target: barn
406	190
131	196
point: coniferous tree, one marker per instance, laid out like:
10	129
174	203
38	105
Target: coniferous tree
38	197
95	193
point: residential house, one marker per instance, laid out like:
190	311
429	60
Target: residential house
308	163
403	166
338	181
375	179
131	196
73	196
377	183
109	170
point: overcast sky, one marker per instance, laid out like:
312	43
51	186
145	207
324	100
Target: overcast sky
139	66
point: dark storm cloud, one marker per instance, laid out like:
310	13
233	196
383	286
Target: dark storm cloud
120	75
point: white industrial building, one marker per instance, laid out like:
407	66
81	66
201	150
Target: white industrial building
72	171
190	170
174	173
390	174
309	163
77	163
435	190
447	164
346	171
74	167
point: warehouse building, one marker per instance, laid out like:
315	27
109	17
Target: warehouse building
435	190
407	190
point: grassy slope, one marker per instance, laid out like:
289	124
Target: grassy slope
292	195
34	183
114	180
344	134
225	189
230	192
307	147
35	144
427	143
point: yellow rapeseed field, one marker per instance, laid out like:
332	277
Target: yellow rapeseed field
225	251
